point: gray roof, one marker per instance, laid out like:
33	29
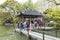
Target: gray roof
31	12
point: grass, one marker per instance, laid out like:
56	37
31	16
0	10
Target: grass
7	33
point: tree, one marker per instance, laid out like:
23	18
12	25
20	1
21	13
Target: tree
13	8
53	14
30	5
10	8
4	16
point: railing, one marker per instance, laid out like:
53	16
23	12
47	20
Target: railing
38	34
50	34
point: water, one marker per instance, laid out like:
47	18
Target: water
8	33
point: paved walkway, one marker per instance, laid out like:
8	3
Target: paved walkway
39	36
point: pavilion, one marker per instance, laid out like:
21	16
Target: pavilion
30	14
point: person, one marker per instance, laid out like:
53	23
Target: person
35	23
20	25
24	25
39	23
28	24
32	21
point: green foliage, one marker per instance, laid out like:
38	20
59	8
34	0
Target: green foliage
4	16
50	24
53	14
14	6
30	5
15	20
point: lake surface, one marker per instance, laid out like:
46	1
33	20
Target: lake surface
8	33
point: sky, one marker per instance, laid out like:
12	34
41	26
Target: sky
20	1
1	1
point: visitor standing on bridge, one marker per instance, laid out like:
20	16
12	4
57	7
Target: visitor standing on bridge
35	23
28	24
24	25
20	25
39	23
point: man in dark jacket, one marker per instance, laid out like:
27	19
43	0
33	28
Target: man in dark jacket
28	24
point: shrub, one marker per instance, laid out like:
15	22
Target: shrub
58	25
50	24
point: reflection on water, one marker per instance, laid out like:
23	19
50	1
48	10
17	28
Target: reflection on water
7	33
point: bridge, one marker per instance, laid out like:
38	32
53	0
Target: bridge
37	36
